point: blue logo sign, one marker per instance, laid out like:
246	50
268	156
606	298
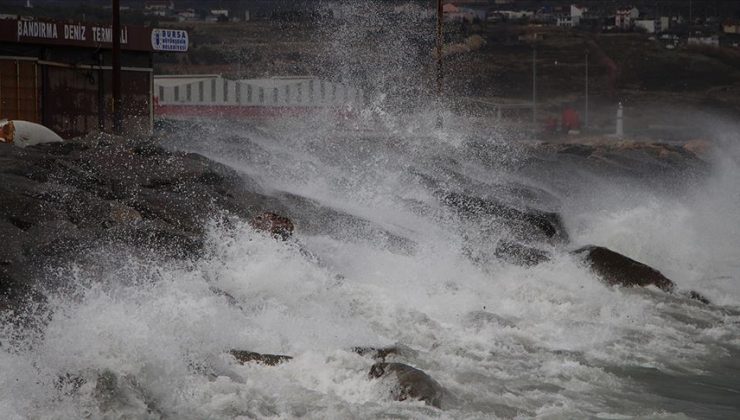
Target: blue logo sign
169	40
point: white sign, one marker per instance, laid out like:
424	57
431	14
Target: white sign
169	40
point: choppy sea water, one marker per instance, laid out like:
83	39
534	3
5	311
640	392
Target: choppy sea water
146	338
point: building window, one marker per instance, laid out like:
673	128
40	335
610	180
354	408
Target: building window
177	93
201	88
310	91
299	94
262	95
287	94
238	92
189	92
249	93
213	90
275	95
226	91
161	93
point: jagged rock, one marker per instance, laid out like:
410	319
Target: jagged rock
243	357
317	219
60	199
411	383
123	395
528	224
519	254
698	296
617	270
276	225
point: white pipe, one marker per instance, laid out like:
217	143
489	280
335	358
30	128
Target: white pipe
26	133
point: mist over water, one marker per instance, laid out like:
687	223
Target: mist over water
149	338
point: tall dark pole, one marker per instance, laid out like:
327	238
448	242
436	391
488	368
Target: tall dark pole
534	89
586	115
440	75
116	73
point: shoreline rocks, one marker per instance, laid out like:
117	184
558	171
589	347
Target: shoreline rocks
61	199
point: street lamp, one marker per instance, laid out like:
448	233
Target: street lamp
440	43
116	68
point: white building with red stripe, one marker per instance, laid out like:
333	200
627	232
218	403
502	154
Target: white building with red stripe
215	96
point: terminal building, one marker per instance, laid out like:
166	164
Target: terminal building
59	73
214	96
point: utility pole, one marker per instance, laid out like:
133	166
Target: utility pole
440	74
116	68
586	113
534	88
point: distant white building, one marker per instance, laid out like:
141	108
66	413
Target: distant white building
650	26
187	15
576	13
220	12
159	8
625	17
704	41
565	21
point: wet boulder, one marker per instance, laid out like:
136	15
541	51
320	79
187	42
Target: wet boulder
280	227
243	357
409	383
527	224
518	254
618	270
63	200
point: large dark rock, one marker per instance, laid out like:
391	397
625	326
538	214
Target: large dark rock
518	254
60	200
410	383
526	224
617	270
243	356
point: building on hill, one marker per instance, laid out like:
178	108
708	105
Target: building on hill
577	12
159	8
649	26
625	18
731	27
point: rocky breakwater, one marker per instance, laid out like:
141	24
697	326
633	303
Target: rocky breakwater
62	200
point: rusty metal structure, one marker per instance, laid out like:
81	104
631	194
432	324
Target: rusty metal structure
59	74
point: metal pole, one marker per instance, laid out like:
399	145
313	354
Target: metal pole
440	74
116	73
534	90
586	114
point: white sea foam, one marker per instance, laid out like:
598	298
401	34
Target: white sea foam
505	341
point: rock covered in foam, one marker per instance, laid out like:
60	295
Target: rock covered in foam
63	200
409	383
276	225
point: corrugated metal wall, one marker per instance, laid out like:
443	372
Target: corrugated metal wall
72	101
19	89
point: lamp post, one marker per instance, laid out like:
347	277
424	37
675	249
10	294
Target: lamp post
534	88
116	68
585	119
439	75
